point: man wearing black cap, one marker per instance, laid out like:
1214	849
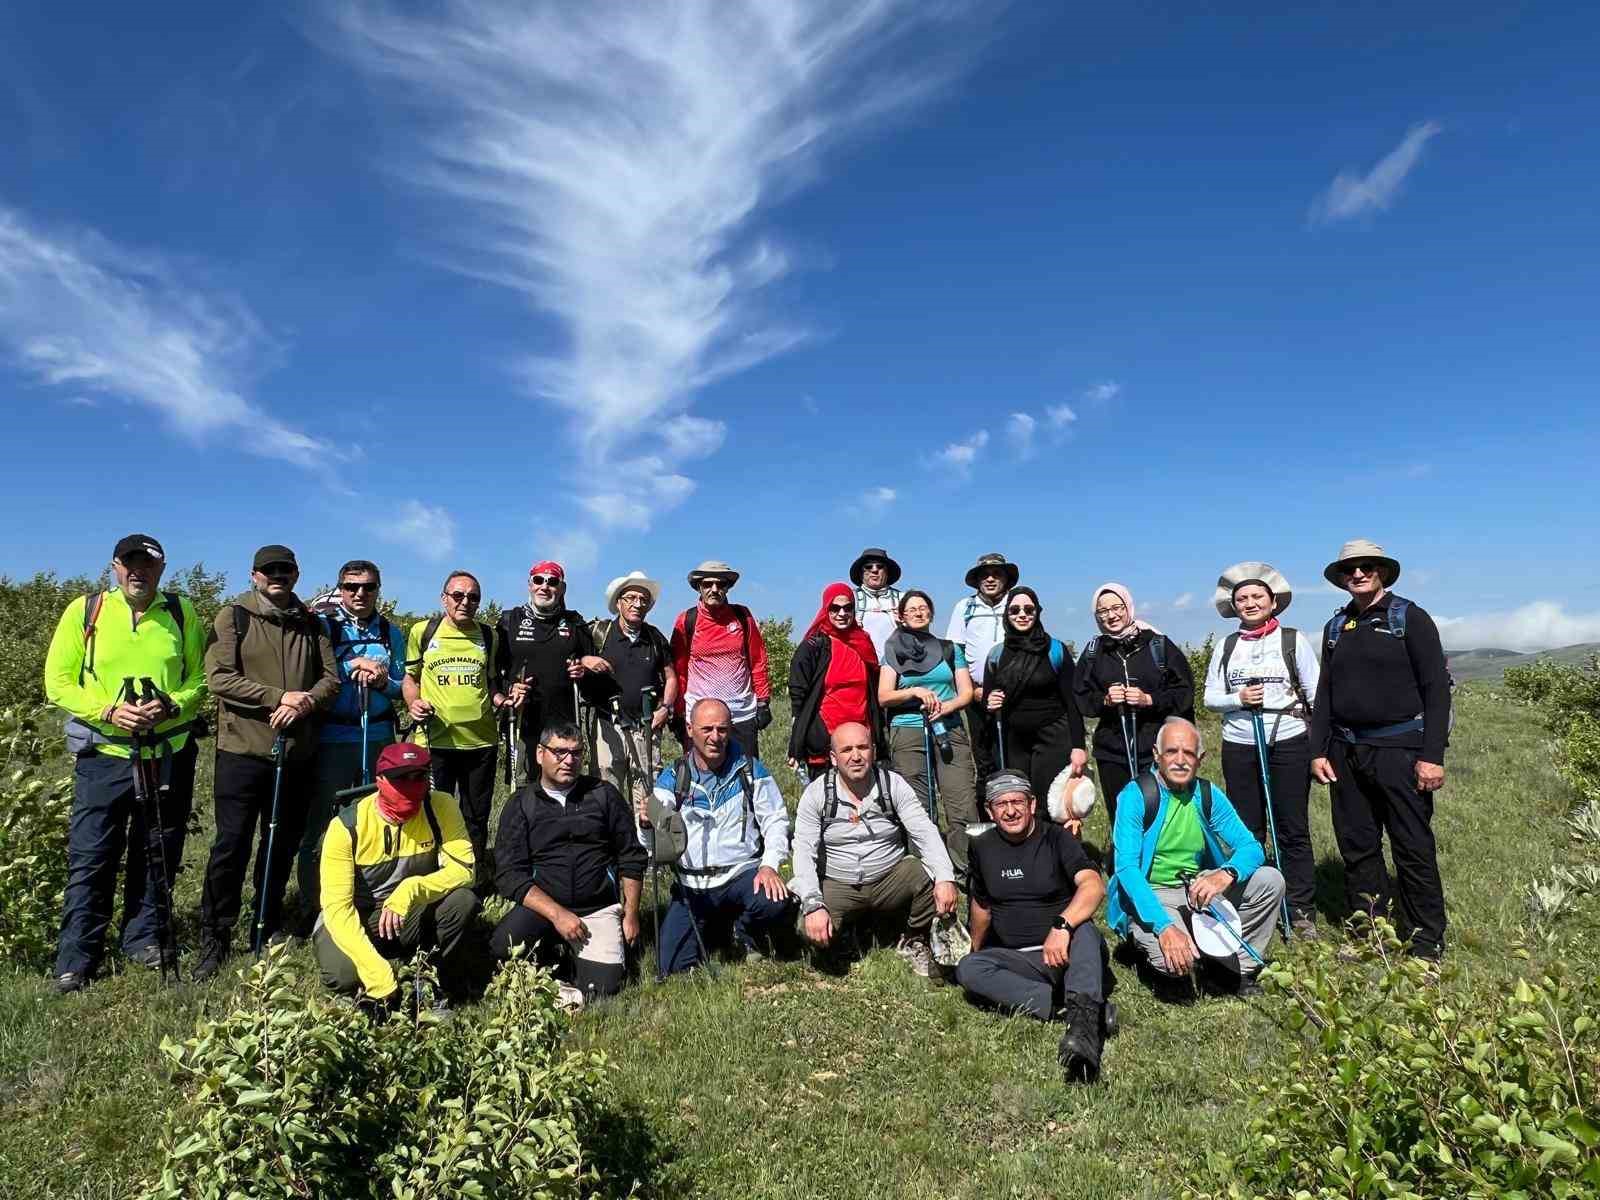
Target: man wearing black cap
270	665
877	599
133	632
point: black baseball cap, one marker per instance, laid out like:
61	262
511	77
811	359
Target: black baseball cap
268	555
139	543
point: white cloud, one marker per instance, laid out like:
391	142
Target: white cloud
609	160
575	549
877	500
959	456
78	312
1539	625
430	531
1019	432
1352	195
1061	415
1183	601
1103	392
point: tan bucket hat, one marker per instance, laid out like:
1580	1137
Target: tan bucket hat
1352	551
633	579
1251	572
713	569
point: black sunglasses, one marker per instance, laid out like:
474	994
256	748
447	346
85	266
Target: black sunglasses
1365	566
358	587
464	597
841	608
1022	610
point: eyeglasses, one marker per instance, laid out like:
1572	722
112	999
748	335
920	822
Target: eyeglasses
1364	567
1111	610
464	597
1010	802
358	587
631	600
1022	610
564	753
545	580
841	608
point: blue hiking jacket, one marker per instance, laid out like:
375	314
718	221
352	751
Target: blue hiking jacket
1132	898
341	721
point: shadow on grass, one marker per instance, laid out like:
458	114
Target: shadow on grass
1331	901
630	1157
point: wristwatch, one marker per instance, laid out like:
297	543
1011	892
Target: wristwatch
1064	925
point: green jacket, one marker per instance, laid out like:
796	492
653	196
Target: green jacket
282	650
87	685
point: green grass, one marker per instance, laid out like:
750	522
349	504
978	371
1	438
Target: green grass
773	1080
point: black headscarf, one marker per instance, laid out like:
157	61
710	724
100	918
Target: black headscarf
1023	652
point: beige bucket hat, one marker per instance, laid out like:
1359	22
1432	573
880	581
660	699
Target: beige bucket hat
1353	551
713	569
633	579
1251	572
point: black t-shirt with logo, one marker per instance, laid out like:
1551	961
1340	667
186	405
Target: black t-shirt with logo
539	648
635	665
1025	885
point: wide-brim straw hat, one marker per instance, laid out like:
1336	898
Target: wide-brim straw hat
1388	568
1244	572
713	569
1013	572
871	552
633	579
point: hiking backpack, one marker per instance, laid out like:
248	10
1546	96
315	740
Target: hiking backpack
741	614
1395	619
830	812
91	619
683	791
1289	662
1058	655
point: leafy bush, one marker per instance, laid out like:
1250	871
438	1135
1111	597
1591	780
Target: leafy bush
779	637
1399	1086
298	1096
35	801
1200	661
1569	697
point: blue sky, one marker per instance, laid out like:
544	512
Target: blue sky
1125	294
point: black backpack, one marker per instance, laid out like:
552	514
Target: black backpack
740	612
1158	651
830	813
1152	798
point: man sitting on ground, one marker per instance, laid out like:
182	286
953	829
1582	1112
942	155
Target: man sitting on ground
1170	834
852	830
396	875
735	836
1035	948
565	844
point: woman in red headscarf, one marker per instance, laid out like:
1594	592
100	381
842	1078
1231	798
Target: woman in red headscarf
833	679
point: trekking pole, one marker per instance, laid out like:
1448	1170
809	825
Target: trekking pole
505	736
1000	737
1130	726
927	749
272	836
1266	801
362	699
155	860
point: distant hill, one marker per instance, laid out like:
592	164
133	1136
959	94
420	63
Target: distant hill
1490	663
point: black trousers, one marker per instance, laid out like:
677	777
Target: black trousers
523	927
982	742
1376	794
243	809
1289	766
468	775
1018	981
1114	777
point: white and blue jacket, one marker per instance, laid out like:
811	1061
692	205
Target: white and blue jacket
729	832
341	721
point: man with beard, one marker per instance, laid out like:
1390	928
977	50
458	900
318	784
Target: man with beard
550	651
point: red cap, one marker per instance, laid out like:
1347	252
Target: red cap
403	756
548	568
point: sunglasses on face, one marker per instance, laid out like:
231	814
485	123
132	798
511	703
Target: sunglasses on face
544	580
1361	568
1022	610
874	566
276	572
352	588
464	597
841	608
710	585
564	753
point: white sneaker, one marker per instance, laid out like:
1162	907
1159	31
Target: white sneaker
918	956
568	998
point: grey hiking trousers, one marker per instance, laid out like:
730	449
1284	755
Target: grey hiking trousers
1257	900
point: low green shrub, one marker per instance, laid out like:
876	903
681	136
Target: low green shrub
297	1095
35	802
1569	699
1397	1084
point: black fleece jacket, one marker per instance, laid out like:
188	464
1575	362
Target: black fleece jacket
1172	690
577	853
1372	678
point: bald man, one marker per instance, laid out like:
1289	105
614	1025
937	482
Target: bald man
854	829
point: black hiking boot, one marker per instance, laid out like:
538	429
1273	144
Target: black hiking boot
1081	1044
213	953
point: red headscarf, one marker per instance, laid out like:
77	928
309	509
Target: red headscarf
852	635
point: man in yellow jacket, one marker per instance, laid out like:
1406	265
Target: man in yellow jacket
397	871
136	632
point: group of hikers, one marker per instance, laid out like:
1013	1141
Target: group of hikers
934	767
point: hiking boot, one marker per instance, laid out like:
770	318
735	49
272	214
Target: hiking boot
68	982
213	953
1081	1044
918	956
147	956
1109	1023
1305	928
1249	986
568	998
750	952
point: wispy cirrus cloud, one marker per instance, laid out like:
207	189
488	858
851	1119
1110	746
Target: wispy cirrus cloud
1353	195
1103	392
610	160
1060	416
1020	428
82	314
959	456
428	529
877	500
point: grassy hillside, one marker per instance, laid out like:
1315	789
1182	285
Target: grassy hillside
772	1080
1490	664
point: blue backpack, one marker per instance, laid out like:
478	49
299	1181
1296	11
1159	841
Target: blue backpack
1058	655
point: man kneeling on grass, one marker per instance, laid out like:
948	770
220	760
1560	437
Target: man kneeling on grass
1035	948
852	830
1171	833
567	857
396	876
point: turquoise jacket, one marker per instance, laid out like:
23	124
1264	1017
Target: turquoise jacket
1132	898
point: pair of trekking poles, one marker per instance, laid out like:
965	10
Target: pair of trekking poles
148	790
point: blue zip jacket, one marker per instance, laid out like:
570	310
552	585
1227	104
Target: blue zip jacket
341	721
1136	850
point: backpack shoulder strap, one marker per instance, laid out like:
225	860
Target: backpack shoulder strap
600	630
1332	630
886	798
1152	797
433	823
682	784
830	813
241	626
1205	802
1291	664
949	655
690	619
428	631
175	607
992	659
1228	645
1399	609
347	818
1158	651
91	615
743	614
1090	649
1058	654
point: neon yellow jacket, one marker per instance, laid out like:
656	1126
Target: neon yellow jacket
122	648
368	864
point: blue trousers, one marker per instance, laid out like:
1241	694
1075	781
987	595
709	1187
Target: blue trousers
736	904
107	833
